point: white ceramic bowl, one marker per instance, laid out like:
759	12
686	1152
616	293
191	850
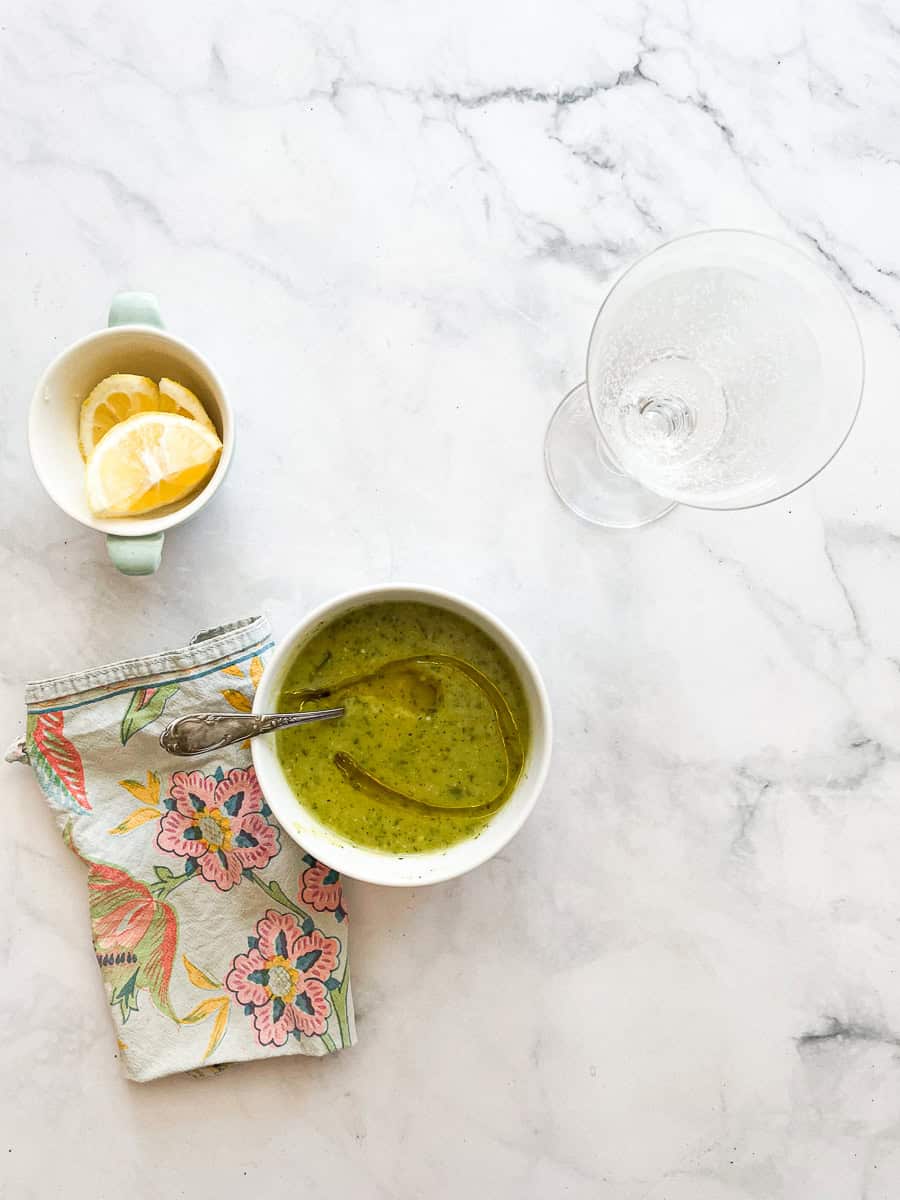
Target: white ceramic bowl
55	408
375	866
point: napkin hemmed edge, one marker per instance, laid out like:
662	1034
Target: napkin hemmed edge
253	1054
203	649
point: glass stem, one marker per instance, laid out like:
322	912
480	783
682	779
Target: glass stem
667	416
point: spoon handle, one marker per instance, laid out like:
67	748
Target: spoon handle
202	732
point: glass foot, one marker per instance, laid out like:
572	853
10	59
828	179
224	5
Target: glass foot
585	477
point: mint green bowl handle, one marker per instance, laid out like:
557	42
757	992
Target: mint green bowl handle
135	308
135	555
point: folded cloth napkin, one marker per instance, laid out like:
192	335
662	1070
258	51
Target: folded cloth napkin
218	940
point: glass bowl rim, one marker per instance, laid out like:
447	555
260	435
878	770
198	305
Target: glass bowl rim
709	234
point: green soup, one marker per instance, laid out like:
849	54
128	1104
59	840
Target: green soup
434	735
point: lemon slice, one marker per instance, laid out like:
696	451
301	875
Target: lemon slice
118	397
175	397
149	461
111	401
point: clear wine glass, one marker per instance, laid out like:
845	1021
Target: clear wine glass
724	370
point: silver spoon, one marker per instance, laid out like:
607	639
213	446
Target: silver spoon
202	732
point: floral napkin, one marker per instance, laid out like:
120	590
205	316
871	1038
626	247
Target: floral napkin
217	938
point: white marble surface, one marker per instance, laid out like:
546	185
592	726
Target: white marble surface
389	224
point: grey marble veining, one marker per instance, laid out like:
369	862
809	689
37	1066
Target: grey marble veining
389	226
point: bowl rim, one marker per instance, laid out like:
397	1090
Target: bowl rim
274	784
133	526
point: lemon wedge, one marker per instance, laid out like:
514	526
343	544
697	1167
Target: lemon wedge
111	401
175	397
148	461
119	397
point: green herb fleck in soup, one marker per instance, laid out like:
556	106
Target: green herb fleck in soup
434	736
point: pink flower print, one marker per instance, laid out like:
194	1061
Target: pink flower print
320	887
284	978
219	824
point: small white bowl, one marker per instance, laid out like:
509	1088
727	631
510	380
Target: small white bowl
376	866
134	543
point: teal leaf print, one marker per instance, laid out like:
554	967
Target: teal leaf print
306	961
146	705
126	998
57	762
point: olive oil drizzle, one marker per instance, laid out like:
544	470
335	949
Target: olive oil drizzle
364	781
